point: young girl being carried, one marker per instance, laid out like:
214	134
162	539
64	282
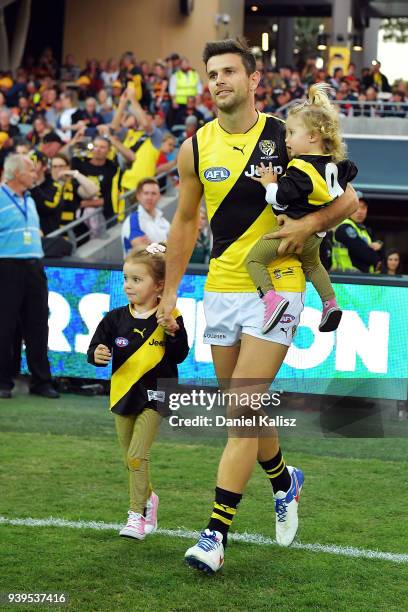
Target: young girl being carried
317	174
142	352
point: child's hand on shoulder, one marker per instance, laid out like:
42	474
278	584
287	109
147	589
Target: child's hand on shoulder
267	175
102	355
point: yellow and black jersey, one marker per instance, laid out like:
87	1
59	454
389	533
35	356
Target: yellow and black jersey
311	181
48	200
237	210
141	355
106	177
71	201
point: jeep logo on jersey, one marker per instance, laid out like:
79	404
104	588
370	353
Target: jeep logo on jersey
267	147
216	174
287	318
254	172
121	342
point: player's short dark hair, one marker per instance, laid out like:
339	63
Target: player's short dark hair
239	46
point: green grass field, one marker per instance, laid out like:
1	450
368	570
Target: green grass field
60	459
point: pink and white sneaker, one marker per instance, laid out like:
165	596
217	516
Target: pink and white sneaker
331	316
151	513
275	306
135	526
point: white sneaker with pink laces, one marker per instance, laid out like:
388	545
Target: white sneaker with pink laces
135	526
151	513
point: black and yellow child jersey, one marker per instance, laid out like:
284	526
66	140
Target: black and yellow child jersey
141	354
311	181
238	213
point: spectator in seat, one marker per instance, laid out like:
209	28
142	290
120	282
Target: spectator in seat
47	195
110	74
3	105
24	112
190	109
75	187
69	70
391	264
205	105
401	106
39	131
166	160
185	82
90	117
69	116
104	106
352	79
376	78
337	78
6	125
202	249
147	223
142	155
296	88
105	174
51	145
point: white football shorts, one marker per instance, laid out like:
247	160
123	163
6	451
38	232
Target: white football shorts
229	315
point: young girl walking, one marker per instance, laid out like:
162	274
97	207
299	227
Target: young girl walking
317	174
142	352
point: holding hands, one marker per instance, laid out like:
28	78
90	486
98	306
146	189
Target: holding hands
164	316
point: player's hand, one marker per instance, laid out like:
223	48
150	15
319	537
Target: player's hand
102	355
171	327
164	313
293	234
267	175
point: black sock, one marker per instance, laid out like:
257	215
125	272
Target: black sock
277	472
225	507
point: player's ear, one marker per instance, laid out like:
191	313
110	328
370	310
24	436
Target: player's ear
255	77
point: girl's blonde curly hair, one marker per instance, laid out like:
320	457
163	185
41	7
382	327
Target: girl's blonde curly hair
320	117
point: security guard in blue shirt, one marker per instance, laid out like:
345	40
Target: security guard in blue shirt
24	299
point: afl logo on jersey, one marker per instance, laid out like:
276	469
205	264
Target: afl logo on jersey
121	342
216	174
267	147
287	318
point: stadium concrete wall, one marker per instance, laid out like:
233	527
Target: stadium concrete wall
150	28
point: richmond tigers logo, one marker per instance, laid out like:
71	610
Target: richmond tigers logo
267	147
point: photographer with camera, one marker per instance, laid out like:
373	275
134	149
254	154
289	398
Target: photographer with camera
104	173
75	187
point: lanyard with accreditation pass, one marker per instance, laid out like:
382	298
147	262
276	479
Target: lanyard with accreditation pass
24	211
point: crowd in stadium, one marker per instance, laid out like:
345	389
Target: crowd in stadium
96	132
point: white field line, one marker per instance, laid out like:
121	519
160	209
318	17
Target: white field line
247	538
